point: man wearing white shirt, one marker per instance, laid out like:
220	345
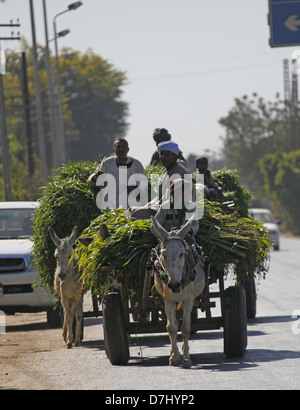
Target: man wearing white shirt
122	175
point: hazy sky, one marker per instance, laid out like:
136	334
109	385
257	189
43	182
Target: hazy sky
186	60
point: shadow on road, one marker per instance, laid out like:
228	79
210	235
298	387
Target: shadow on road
219	362
270	319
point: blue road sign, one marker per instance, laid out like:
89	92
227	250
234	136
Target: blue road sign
284	20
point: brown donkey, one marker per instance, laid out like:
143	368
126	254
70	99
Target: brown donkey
68	286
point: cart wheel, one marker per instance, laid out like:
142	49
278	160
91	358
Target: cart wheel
235	321
250	290
115	334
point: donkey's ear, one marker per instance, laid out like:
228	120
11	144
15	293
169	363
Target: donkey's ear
54	237
85	241
185	229
72	237
162	233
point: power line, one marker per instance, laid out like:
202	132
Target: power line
205	72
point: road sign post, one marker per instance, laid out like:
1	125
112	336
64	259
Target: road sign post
284	21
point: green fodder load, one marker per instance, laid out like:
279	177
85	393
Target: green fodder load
67	201
223	237
229	181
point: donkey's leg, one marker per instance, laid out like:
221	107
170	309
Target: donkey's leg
69	308
186	331
78	316
64	334
172	328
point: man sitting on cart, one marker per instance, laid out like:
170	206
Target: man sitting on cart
168	151
175	212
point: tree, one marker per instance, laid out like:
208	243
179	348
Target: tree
282	181
92	120
94	113
98	113
254	128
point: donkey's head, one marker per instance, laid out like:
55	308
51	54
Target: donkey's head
173	253
63	252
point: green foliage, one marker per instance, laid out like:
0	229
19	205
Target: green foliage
67	201
98	113
127	248
92	120
229	181
282	180
23	187
254	128
223	237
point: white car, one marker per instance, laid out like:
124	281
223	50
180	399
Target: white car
268	221
17	269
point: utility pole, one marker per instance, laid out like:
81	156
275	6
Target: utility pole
295	111
4	145
288	104
41	133
52	114
26	113
3	131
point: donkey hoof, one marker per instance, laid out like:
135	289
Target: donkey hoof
69	345
175	360
186	363
76	344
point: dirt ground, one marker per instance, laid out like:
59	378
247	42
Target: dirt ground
32	356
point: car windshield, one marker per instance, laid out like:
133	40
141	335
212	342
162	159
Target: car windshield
16	223
265	217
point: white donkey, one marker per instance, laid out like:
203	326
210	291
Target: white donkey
182	286
68	286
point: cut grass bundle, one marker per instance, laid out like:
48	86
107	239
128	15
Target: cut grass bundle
67	200
224	239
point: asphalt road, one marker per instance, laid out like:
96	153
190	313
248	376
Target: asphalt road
34	357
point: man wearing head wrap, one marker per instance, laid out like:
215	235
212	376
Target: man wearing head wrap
162	135
168	154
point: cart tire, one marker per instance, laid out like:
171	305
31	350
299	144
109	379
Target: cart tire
251	297
235	321
115	334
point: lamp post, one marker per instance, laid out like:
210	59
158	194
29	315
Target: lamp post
61	139
52	114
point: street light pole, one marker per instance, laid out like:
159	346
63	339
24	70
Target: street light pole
61	139
53	117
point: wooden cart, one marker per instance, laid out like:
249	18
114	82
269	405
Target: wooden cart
122	316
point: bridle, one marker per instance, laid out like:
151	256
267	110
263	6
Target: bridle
189	273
